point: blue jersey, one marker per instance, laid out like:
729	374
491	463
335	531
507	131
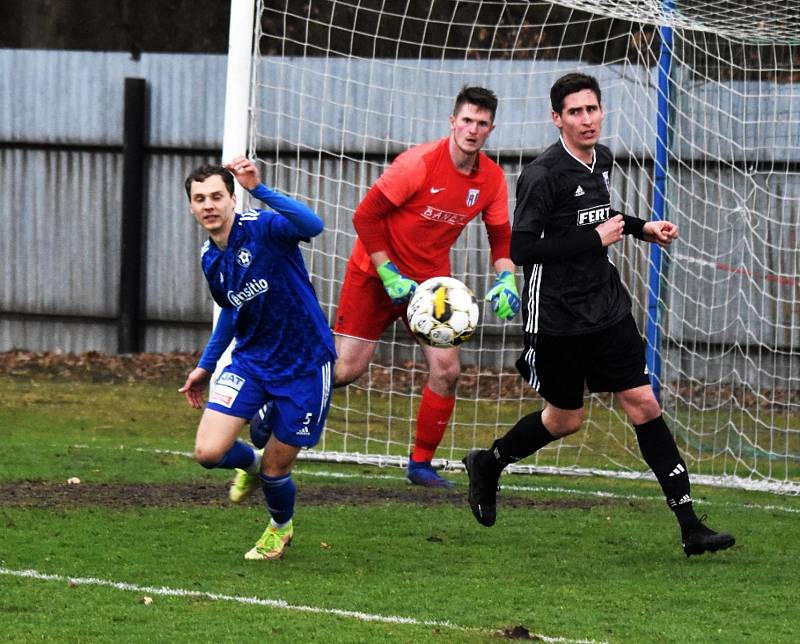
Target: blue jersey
280	330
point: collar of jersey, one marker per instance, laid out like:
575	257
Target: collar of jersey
590	168
236	230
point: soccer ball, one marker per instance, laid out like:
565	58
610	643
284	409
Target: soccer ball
443	312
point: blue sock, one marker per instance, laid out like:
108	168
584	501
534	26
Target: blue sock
239	455
279	495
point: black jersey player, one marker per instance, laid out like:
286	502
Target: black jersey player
578	326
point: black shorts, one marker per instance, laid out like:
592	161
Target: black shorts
558	366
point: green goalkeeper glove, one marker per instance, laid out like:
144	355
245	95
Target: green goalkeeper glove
399	288
504	296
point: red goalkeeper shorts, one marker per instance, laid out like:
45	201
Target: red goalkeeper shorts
365	310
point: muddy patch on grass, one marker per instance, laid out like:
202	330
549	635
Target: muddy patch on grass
123	496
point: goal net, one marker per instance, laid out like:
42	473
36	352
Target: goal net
701	112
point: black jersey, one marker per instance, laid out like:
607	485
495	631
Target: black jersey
577	289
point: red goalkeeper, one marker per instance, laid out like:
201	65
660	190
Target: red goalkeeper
406	224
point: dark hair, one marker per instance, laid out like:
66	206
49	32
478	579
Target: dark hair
479	96
569	84
203	172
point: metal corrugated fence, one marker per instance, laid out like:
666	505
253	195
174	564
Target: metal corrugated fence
61	167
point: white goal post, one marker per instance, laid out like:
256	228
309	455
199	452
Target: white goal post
701	114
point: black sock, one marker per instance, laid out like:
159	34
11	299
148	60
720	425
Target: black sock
523	439
661	453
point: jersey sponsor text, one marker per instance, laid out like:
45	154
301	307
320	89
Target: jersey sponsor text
231	379
251	289
593	215
226	389
452	218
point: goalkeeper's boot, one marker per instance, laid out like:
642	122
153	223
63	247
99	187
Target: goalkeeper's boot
484	474
422	473
244	483
700	538
272	544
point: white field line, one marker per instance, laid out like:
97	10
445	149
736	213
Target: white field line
257	601
516	488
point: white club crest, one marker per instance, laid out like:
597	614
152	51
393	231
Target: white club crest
607	180
472	196
243	257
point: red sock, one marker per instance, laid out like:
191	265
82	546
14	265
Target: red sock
432	418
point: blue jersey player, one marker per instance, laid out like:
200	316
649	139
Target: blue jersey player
284	349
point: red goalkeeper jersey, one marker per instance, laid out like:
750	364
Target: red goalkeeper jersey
433	204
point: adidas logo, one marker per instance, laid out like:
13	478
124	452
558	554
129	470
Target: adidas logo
579	192
679	469
303	431
684	499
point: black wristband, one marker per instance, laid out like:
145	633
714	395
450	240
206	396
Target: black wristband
633	225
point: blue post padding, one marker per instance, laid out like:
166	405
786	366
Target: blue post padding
652	331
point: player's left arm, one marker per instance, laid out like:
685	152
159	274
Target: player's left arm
503	295
662	233
659	232
306	222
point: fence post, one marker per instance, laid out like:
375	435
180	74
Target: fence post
129	331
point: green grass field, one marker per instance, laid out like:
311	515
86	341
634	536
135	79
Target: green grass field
374	560
763	440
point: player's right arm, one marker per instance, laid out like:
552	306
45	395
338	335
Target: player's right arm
195	386
368	221
197	381
220	338
404	177
611	230
529	242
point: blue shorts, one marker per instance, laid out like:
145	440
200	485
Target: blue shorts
298	409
